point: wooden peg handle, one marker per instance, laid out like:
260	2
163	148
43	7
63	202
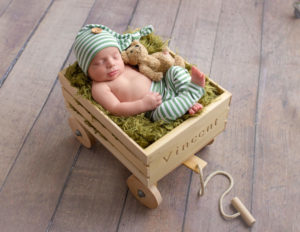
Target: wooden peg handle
245	214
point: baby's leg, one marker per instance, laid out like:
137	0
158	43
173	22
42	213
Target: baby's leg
180	95
198	77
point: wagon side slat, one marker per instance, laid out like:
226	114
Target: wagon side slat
105	133
128	164
190	144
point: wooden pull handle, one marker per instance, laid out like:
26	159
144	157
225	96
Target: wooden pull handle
245	214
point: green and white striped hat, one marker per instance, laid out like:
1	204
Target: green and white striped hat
92	38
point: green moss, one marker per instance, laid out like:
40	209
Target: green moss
139	128
152	42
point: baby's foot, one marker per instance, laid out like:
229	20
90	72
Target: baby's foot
195	108
198	77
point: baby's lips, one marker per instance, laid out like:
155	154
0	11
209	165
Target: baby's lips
112	73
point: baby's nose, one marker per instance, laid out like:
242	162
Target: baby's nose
110	62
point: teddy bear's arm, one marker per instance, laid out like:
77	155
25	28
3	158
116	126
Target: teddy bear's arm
152	62
155	76
179	61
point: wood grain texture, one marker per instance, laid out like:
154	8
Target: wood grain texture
18	21
276	181
27	88
31	192
40	166
95	193
195	31
160	14
235	66
4	4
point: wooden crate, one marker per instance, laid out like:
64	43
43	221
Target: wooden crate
151	164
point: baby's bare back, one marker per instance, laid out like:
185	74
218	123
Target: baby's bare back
130	86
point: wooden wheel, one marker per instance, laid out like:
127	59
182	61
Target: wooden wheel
150	197
83	136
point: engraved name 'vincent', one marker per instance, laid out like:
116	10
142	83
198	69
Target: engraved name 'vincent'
196	138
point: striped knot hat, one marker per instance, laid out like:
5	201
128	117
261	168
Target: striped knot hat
92	38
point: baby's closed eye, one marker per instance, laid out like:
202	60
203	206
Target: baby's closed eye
116	56
98	62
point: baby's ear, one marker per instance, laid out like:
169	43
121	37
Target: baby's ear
124	57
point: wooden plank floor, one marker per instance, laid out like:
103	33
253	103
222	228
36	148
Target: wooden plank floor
49	182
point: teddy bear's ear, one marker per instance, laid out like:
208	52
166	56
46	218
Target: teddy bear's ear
135	42
124	57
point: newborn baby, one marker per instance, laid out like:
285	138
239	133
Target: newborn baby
122	90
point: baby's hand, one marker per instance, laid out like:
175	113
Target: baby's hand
152	100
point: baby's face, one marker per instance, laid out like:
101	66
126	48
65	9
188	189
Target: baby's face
107	65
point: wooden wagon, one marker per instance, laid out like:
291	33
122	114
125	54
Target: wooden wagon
151	164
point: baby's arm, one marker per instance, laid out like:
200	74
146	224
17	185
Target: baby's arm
103	95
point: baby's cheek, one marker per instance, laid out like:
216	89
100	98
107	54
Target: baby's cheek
92	73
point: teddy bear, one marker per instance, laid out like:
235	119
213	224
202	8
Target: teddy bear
153	66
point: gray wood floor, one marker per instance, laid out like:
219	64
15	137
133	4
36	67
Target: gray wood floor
49	182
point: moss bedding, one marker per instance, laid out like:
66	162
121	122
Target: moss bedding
139	128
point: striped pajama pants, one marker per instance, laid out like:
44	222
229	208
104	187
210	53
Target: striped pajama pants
178	95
